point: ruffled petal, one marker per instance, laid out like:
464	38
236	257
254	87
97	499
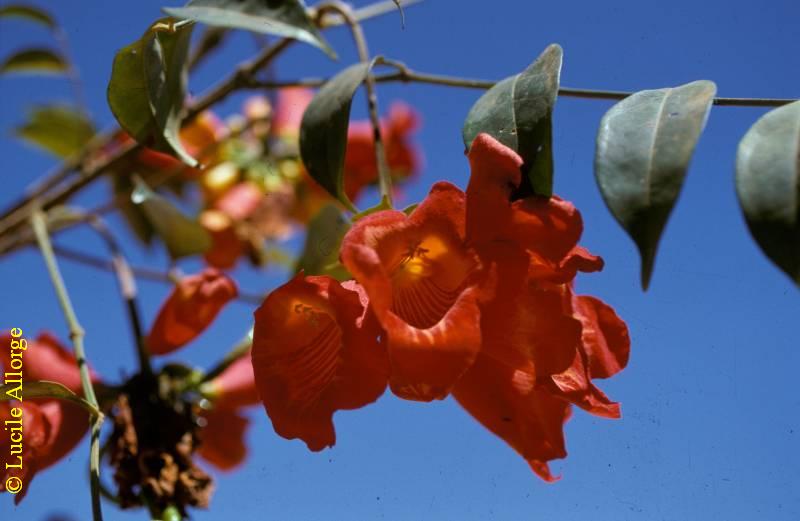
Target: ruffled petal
507	402
421	281
576	385
495	173
313	354
605	337
222	438
527	324
191	307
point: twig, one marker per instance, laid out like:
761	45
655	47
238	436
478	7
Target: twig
127	287
39	224
406	75
17	213
384	175
238	351
141	273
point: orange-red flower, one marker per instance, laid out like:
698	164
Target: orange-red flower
474	296
51	427
315	351
191	307
420	276
222	436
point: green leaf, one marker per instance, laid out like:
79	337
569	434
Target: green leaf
288	18
148	86
182	235
768	185
518	112
643	150
27	12
321	251
58	129
34	61
44	389
323	131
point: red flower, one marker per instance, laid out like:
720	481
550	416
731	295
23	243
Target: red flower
191	307
420	276
52	428
222	437
315	351
521	353
473	295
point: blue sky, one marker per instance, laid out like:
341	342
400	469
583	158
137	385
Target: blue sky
711	415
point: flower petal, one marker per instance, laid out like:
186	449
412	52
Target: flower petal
575	385
191	307
420	278
507	402
235	386
314	354
495	173
46	359
222	438
605	337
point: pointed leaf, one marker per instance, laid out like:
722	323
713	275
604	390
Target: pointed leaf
643	150
323	131
27	12
182	235
288	18
45	389
518	112
768	185
58	129
148	86
34	61
321	251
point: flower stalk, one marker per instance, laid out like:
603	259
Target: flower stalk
76	333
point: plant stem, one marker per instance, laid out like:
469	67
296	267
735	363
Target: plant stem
127	288
17	213
384	174
76	334
406	75
140	272
234	354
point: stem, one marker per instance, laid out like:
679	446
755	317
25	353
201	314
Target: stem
238	351
17	213
384	174
127	288
76	335
406	75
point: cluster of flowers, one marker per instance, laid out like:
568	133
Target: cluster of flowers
253	183
53	427
470	294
